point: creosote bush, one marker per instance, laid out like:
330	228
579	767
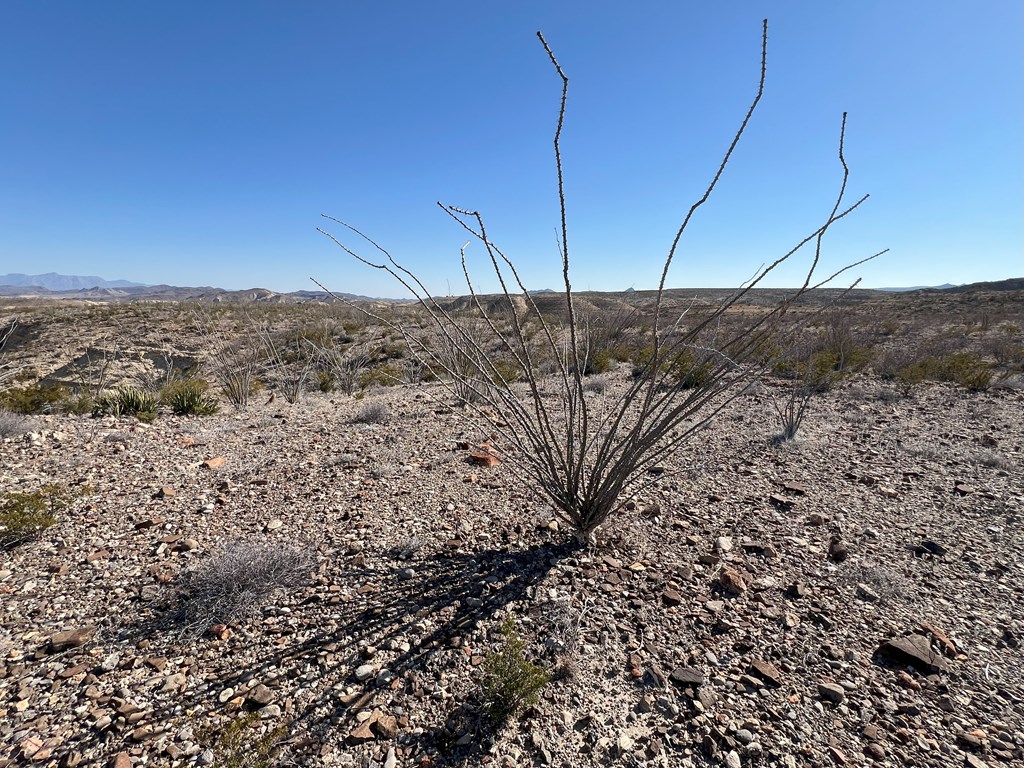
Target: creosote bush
24	515
234	583
510	684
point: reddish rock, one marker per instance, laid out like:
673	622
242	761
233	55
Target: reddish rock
71	638
215	462
482	459
766	671
121	760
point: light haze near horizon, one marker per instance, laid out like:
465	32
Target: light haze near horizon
197	145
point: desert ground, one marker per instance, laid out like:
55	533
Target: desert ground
850	597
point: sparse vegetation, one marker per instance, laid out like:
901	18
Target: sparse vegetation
510	683
372	413
125	401
245	742
234	583
13	424
24	515
189	397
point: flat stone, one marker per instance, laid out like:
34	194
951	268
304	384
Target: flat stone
121	760
215	462
671	597
686	676
916	651
766	671
832	692
364	672
71	638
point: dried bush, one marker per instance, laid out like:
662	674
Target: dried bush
233	584
589	456
510	684
7	369
13	424
372	413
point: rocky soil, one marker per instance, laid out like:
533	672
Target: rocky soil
852	598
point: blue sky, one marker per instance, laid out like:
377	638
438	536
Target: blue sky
197	143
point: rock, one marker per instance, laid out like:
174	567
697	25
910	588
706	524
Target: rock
875	751
928	547
971	761
482	459
866	593
166	493
732	581
215	462
686	676
405	574
797	489
837	755
816	519
391	761
273	525
832	692
364	672
766	671
963	489
837	550
780	502
121	760
71	638
259	696
914	650
723	544
671	597
732	760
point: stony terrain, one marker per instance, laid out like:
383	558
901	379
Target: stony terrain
851	598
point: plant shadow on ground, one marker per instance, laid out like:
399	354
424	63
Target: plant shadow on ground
453	591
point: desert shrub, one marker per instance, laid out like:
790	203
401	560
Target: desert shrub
384	375
189	397
389	351
596	385
510	684
589	457
240	744
24	515
125	401
13	424
967	369
372	413
598	362
234	584
682	369
35	398
504	372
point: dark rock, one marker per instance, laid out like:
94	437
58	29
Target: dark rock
766	671
914	650
71	638
686	677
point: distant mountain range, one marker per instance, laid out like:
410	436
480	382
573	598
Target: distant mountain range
52	285
51	281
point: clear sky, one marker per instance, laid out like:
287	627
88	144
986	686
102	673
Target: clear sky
197	143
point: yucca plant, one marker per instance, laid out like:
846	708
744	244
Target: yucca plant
125	401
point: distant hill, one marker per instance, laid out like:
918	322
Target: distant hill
51	281
942	287
1010	284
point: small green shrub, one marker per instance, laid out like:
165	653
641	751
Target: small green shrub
385	375
326	381
125	401
239	744
505	371
598	362
964	368
24	515
682	368
189	397
510	684
34	398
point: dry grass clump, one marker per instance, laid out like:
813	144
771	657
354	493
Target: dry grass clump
236	582
372	413
13	424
